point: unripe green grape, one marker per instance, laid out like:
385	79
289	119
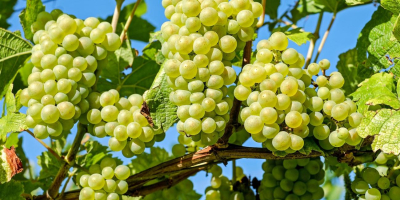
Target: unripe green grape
270	130
335	140
328	105
86	46
88	79
339	112
111	42
48	61
222	20
279	41
316	118
116	145
323	93
137	146
65	60
264	55
383	183
178	150
36	26
355	119
283	102
35	110
281	141
196	111
321	81
56	34
86	193
215	82
324	64
201	45
44	17
293	119
122	172
208	16
105	26
109	113
50	114
60	72
67	24
55	129
97	35
91	22
64	86
313	69
321	132
46	75
96	181
125	117
245	34
184	45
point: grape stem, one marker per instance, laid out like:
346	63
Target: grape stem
234	112
233	171
55	154
314	40
128	22
293	26
262	18
321	45
52	192
117	11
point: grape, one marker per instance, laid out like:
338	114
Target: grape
293	119
283	102
279	41
281	141
297	142
87	193
336	81
370	175
228	44
361	187
355	119
335	140
339	112
289	87
66	110
245	18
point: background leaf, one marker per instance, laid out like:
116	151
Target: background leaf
11	190
6	10
384	124
13	54
50	165
28	16
391	5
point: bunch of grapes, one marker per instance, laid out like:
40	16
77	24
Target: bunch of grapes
280	106
221	188
377	184
121	118
66	54
200	40
105	181
292	179
172	193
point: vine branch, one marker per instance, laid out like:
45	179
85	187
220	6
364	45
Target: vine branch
52	192
321	45
128	22
117	11
314	40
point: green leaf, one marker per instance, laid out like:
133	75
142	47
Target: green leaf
12	102
95	152
376	40
12	122
12	140
192	195
396	28
391	5
353	73
357	2
162	110
299	37
15	50
380	85
271	8
384	124
6	10
145	160
28	16
306	7
50	165
140	10
309	146
21	80
11	190
398	88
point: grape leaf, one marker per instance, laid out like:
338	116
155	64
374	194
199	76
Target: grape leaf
95	152
12	140
6	10
379	86
357	2
353	73
162	110
271	8
12	122
306	7
384	124
396	28
15	50
50	165
12	102
391	5
376	40
11	190
299	37
145	160
28	16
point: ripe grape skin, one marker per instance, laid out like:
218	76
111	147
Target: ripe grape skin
293	119
321	132
281	141
253	124
279	41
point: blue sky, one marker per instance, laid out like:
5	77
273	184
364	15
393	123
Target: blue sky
343	36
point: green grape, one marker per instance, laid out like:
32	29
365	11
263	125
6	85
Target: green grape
313	167
192	126
245	34
245	18
215	82
394	192
116	145
48	48
268	84
50	114
110	185
107	172
293	119
277	77
355	119
324	64
56	34
178	150
279	41
321	132
227	44
54	129
339	112
383	183
96	181
370	175
323	93
316	118
292	174
335	140
336	81
253	124
361	187
65	60
94	116
301	131
321	81
66	109
113	196
337	95
122	187
281	141
120	133
289	87
60	72
47	74
48	61
100	194
86	193
297	142
75	74
313	69
137	146
67	24
208	125
279	193
242	92
264	44
80	63
283	102
286	185
70	42
328	105
268	115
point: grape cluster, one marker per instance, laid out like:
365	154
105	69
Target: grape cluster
120	118
221	188
200	40
377	184
280	106
172	193
105	181
292	179
66	54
